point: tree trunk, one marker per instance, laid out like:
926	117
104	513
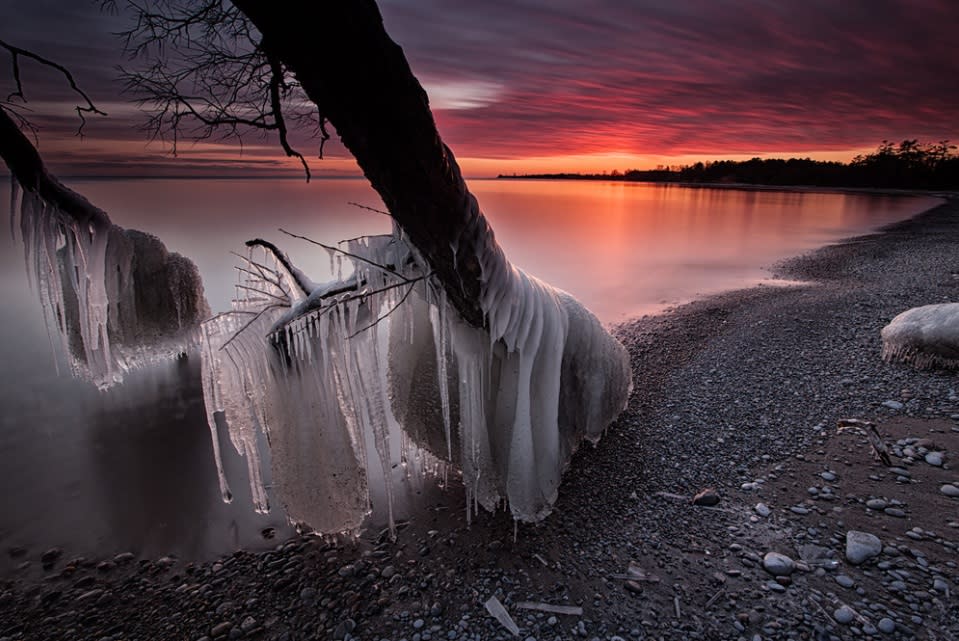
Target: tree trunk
360	80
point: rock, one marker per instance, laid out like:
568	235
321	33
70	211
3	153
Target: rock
762	510
51	555
861	546
387	572
343	629
778	564
893	405
845	581
419	623
707	497
895	511
887	625
934	458
950	490
844	615
940	585
248	624
123	557
221	629
828	476
877	504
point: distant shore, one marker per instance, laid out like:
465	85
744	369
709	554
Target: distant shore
738	392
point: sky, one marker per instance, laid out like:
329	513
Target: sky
554	85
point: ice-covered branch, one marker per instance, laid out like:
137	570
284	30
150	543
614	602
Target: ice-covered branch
116	298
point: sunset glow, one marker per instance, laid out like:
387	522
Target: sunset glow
564	88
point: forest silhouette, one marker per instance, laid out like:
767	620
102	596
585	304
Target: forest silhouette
906	165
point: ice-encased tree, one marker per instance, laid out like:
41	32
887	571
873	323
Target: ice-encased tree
112	298
433	329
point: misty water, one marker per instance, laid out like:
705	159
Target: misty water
132	468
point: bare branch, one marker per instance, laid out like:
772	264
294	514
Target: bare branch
276	79
386	268
15	54
199	71
387	314
373	209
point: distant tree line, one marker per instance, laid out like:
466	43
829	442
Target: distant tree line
907	165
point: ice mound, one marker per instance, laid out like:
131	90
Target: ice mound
380	357
925	337
112	298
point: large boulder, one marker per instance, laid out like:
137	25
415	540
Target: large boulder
926	337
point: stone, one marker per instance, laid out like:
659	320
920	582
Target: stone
51	555
762	509
893	405
707	498
887	625
877	504
248	624
844	615
123	557
934	458
895	511
778	564
845	581
950	490
861	546
220	629
419	623
387	572
343	629
828	476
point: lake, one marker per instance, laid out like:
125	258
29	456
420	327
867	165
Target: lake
132	468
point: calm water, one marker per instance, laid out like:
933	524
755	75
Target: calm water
131	469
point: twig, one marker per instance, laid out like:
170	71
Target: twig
346	253
16	52
392	309
373	209
713	599
250	322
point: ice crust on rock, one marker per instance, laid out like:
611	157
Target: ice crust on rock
112	298
925	337
381	356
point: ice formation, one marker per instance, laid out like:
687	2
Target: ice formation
114	298
926	337
381	357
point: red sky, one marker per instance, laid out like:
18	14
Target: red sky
539	86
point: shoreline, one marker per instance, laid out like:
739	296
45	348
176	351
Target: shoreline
730	389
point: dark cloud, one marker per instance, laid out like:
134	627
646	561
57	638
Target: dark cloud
643	77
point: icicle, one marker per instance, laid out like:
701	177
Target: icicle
438	319
85	278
